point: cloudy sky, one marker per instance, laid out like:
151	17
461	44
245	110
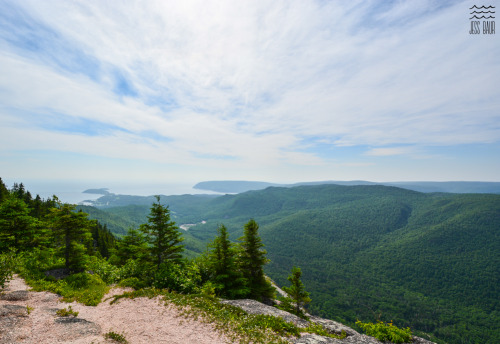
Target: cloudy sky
279	91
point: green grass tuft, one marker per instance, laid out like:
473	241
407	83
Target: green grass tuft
117	337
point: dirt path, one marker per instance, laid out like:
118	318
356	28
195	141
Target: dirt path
141	320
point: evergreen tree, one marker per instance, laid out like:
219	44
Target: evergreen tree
228	279
4	192
162	234
296	292
131	246
72	232
17	227
103	240
252	260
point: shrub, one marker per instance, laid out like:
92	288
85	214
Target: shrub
33	264
66	312
85	288
183	279
321	331
133	282
117	337
81	287
101	267
386	332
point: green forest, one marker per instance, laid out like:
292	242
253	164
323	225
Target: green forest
426	261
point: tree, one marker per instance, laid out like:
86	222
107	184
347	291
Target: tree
103	240
72	232
131	246
296	292
17	227
4	192
252	260
162	234
222	259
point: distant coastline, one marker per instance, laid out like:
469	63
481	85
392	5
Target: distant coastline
101	191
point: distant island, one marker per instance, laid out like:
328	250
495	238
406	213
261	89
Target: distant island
101	191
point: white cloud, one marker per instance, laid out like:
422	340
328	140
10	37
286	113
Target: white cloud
246	82
390	151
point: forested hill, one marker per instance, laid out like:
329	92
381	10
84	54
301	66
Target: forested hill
231	186
425	260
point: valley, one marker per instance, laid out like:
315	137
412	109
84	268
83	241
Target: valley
425	260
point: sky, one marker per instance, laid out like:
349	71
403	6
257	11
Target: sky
277	91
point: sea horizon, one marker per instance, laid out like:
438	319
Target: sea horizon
73	191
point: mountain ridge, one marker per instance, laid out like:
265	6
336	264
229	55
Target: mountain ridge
424	260
229	186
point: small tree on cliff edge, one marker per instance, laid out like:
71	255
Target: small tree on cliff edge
252	260
296	292
163	235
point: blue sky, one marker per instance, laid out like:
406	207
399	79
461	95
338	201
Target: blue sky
279	91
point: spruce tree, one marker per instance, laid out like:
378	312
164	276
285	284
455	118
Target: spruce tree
252	261
131	246
228	279
163	236
72	233
17	227
4	192
296	292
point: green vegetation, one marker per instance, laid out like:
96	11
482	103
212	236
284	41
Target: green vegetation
221	268
237	324
429	261
72	231
162	235
66	312
296	294
386	332
66	253
252	260
6	267
117	337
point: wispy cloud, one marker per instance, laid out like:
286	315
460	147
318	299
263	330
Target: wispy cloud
226	86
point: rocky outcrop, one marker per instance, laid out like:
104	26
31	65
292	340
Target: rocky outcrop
353	337
73	328
18	295
256	307
10	318
15	319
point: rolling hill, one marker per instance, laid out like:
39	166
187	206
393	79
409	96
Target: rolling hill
426	260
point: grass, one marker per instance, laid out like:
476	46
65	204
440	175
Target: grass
66	312
83	288
117	337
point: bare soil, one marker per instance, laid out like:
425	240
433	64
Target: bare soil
140	320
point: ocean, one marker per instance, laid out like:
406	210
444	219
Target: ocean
72	191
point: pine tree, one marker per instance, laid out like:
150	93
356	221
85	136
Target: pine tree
296	292
228	279
162	235
252	260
